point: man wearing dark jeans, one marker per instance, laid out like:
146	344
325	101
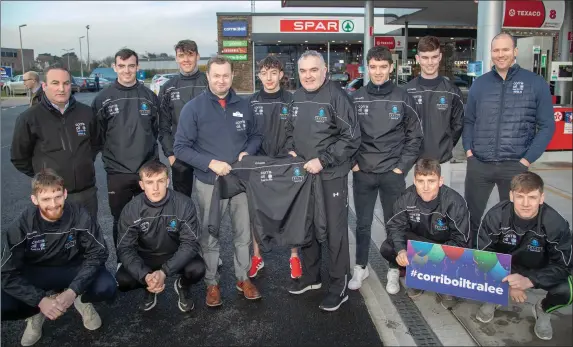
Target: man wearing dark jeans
323	130
427	211
391	141
174	94
157	239
53	256
507	126
127	114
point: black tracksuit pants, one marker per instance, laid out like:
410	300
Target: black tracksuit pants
121	189
336	206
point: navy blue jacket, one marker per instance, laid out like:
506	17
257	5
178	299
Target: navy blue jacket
508	119
206	131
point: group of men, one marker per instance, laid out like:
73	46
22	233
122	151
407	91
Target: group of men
203	126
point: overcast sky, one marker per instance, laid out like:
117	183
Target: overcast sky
153	26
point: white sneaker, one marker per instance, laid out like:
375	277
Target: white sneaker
33	331
359	275
393	284
90	317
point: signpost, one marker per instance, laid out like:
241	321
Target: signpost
235	43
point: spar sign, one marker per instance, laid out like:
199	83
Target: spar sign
541	14
317	26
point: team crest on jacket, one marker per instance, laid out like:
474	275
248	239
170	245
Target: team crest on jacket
510	239
144	109
417	98
70	242
175	96
266	176
172	226
241	125
112	109
362	110
441	224
442	103
321	117
534	246
284	113
395	113
258	110
81	129
297	175
38	243
518	87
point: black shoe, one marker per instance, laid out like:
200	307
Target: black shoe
184	303
149	301
332	302
300	286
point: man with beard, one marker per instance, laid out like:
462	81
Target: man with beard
217	128
53	256
61	134
323	130
539	241
174	94
127	114
439	104
270	106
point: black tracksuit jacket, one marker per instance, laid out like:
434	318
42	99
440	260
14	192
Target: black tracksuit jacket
74	239
286	203
447	224
542	254
128	124
173	95
322	124
441	107
271	111
67	143
147	230
390	126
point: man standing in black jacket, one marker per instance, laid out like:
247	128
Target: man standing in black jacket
157	239
53	256
427	211
61	134
391	140
127	114
323	130
539	241
174	94
440	105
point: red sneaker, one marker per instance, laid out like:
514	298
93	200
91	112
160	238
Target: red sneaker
257	263
295	267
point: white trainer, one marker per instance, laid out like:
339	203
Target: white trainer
90	317
33	331
359	275
393	284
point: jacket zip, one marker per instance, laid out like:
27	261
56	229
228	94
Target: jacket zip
499	118
62	134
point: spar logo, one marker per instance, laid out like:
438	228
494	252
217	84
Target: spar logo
317	25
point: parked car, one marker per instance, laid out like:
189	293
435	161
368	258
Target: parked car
75	86
158	80
104	83
3	81
86	84
15	85
356	84
104	72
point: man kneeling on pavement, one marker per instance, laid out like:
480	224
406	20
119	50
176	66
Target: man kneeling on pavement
427	211
539	241
53	256
157	238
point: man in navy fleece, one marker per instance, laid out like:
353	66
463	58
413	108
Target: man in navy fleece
507	125
216	129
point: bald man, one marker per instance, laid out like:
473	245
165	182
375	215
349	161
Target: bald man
32	83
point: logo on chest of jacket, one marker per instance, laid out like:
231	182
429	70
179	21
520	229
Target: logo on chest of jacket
266	176
70	242
395	113
258	110
295	111
441	225
297	175
237	114
362	110
144	109
533	246
172	226
241	125
81	129
284	113
442	103
418	99
321	117
113	109
38	244
518	87
144	226
175	96
510	239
